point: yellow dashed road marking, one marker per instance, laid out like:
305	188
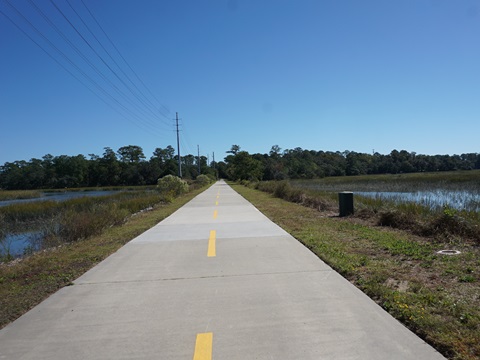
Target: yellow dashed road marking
203	346
211	244
215	214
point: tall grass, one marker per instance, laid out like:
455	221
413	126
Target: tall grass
75	219
422	219
322	201
23	284
442	222
19	194
31	211
78	219
452	181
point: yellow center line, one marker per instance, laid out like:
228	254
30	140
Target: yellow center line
211	244
216	202
203	346
215	214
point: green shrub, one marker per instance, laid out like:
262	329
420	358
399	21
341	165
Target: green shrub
203	180
171	186
282	190
451	221
397	219
74	225
212	177
266	186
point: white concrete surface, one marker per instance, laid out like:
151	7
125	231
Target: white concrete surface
263	296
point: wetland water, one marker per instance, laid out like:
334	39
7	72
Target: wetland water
20	243
60	196
434	196
459	200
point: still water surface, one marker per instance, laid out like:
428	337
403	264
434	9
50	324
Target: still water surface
460	200
17	244
60	196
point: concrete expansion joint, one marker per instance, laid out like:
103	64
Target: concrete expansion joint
203	277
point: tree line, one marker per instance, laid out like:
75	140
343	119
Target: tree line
308	164
128	166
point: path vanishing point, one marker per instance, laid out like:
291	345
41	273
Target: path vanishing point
215	280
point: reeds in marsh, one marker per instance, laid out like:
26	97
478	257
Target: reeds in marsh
451	181
75	219
427	217
19	194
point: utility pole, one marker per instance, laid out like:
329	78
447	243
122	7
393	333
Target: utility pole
178	147
215	170
198	150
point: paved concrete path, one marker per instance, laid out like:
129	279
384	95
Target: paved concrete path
217	279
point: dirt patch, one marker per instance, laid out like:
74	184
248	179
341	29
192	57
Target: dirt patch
399	285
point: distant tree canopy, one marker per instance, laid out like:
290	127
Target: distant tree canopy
128	166
308	164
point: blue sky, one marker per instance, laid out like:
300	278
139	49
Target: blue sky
321	75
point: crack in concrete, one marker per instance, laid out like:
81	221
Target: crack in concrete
202	277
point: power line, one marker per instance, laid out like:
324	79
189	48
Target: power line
166	115
77	50
178	147
147	108
101	59
145	101
187	149
126	113
45	51
198	159
61	65
186	138
69	60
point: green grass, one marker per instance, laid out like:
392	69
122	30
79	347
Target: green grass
436	296
26	282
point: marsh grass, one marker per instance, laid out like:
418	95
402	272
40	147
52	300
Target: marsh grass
322	201
104	188
421	218
26	282
452	180
19	194
75	219
436	296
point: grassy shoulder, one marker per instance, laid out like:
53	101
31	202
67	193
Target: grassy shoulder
436	296
25	283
